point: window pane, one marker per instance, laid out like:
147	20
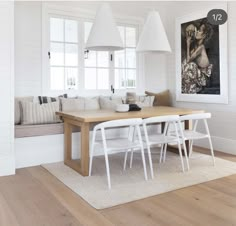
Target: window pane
90	78
71	78
103	78
120	79
102	58
57	78
71	55
122	33
87	28
120	59
130	58
130	37
131	78
71	31
56	29
57	54
91	60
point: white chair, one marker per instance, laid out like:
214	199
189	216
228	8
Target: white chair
164	138
117	144
193	134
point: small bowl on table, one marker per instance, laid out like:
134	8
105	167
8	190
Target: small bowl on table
122	107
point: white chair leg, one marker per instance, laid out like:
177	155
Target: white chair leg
131	158
107	169
91	154
150	161
165	149
125	160
142	152
161	153
185	154
190	149
212	150
181	156
144	163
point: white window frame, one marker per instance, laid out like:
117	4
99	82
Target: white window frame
50	9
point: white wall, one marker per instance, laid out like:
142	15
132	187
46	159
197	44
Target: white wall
7	158
28	36
223	122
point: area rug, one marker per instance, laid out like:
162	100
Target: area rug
130	185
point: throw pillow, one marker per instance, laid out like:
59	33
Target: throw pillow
80	104
18	107
145	101
109	103
161	99
45	99
34	113
131	98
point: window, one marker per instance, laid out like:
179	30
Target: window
96	65
63	54
72	67
125	60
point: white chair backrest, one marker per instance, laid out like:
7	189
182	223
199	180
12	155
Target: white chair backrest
159	119
197	116
119	123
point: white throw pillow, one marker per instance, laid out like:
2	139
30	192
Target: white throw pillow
80	104
109	103
91	103
34	113
18	107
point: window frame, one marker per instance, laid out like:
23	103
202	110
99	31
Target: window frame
52	10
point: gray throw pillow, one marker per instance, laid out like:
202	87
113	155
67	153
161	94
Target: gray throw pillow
18	107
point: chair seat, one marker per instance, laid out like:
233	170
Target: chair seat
191	135
155	139
117	144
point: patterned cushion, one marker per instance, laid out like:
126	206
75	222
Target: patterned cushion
45	99
34	113
145	101
18	107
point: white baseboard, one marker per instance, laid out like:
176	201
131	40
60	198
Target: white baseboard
219	144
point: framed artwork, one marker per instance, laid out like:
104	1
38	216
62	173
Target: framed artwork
201	59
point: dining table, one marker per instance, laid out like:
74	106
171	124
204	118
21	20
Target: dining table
86	119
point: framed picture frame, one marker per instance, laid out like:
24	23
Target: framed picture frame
201	59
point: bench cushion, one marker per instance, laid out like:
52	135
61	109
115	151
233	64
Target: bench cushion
40	130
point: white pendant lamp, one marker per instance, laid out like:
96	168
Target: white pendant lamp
153	37
104	35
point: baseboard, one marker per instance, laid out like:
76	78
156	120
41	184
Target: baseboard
219	144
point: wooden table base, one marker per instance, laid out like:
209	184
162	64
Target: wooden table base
82	165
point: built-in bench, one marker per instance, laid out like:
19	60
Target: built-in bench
22	131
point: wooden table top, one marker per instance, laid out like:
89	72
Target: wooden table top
106	115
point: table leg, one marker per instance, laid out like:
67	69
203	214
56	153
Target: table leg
67	141
188	126
84	158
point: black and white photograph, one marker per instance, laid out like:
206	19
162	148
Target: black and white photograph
200	57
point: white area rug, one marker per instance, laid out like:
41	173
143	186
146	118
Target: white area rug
130	185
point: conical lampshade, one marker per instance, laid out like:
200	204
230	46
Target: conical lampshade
153	37
104	35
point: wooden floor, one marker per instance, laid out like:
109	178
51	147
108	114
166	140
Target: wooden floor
33	197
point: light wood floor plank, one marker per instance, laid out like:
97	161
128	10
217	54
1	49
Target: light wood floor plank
32	204
74	203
